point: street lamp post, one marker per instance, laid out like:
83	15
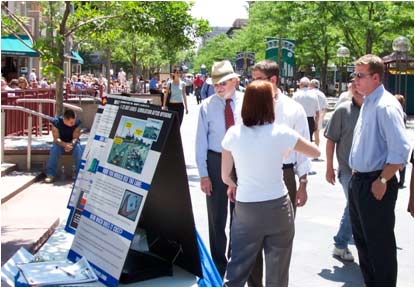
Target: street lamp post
401	45
343	52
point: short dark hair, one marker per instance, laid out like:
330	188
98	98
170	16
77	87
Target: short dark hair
268	67
69	114
258	104
375	63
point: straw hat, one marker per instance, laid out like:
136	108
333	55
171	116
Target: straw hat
222	71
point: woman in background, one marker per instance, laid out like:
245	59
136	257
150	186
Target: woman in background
178	95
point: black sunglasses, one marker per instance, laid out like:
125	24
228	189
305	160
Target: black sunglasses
360	75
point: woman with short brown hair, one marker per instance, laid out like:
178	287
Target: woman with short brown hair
263	215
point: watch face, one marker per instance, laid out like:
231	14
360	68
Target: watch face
383	180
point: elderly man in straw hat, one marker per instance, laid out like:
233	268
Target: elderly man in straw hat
216	114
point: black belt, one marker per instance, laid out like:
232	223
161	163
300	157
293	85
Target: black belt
367	174
214	152
288	166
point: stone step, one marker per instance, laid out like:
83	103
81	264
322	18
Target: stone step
15	182
7	168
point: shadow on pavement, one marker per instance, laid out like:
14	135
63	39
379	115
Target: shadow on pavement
349	274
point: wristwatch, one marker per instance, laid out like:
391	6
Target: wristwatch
382	180
302	180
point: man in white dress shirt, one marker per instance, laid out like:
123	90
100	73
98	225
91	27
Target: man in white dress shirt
322	101
309	101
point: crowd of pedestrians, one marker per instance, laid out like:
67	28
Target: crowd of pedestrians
258	182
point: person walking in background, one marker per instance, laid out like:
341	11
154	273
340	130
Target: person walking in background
292	114
310	103
66	131
217	113
339	134
189	84
379	148
345	96
411	188
402	170
177	100
207	89
122	78
198	84
263	215
322	102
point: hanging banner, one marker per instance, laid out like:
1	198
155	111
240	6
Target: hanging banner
244	61
287	58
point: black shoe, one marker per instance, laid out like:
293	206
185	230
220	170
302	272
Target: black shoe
401	186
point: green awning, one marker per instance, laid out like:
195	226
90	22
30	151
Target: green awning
78	59
12	46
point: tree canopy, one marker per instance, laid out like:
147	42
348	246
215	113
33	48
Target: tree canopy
319	28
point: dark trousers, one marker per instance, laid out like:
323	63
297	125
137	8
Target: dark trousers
198	90
311	126
217	208
402	177
255	278
179	108
373	224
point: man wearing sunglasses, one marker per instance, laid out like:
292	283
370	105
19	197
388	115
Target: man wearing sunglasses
214	119
379	148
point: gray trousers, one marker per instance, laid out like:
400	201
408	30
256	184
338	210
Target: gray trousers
255	278
268	224
217	208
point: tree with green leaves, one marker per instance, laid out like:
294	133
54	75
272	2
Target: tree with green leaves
171	21
319	28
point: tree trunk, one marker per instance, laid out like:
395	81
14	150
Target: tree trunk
60	79
108	68
323	83
134	70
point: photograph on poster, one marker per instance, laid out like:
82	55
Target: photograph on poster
129	149
153	128
130	205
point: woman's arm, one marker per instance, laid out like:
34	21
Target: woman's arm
227	166
184	99
306	147
166	93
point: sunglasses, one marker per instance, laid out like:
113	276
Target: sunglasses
222	83
360	75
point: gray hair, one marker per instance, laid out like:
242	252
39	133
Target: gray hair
304	82
315	83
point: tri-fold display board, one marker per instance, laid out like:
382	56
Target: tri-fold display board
132	176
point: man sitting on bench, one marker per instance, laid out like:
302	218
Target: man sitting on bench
66	130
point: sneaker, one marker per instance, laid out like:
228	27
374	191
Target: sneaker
49	179
343	254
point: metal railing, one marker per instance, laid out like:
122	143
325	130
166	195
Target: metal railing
29	125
